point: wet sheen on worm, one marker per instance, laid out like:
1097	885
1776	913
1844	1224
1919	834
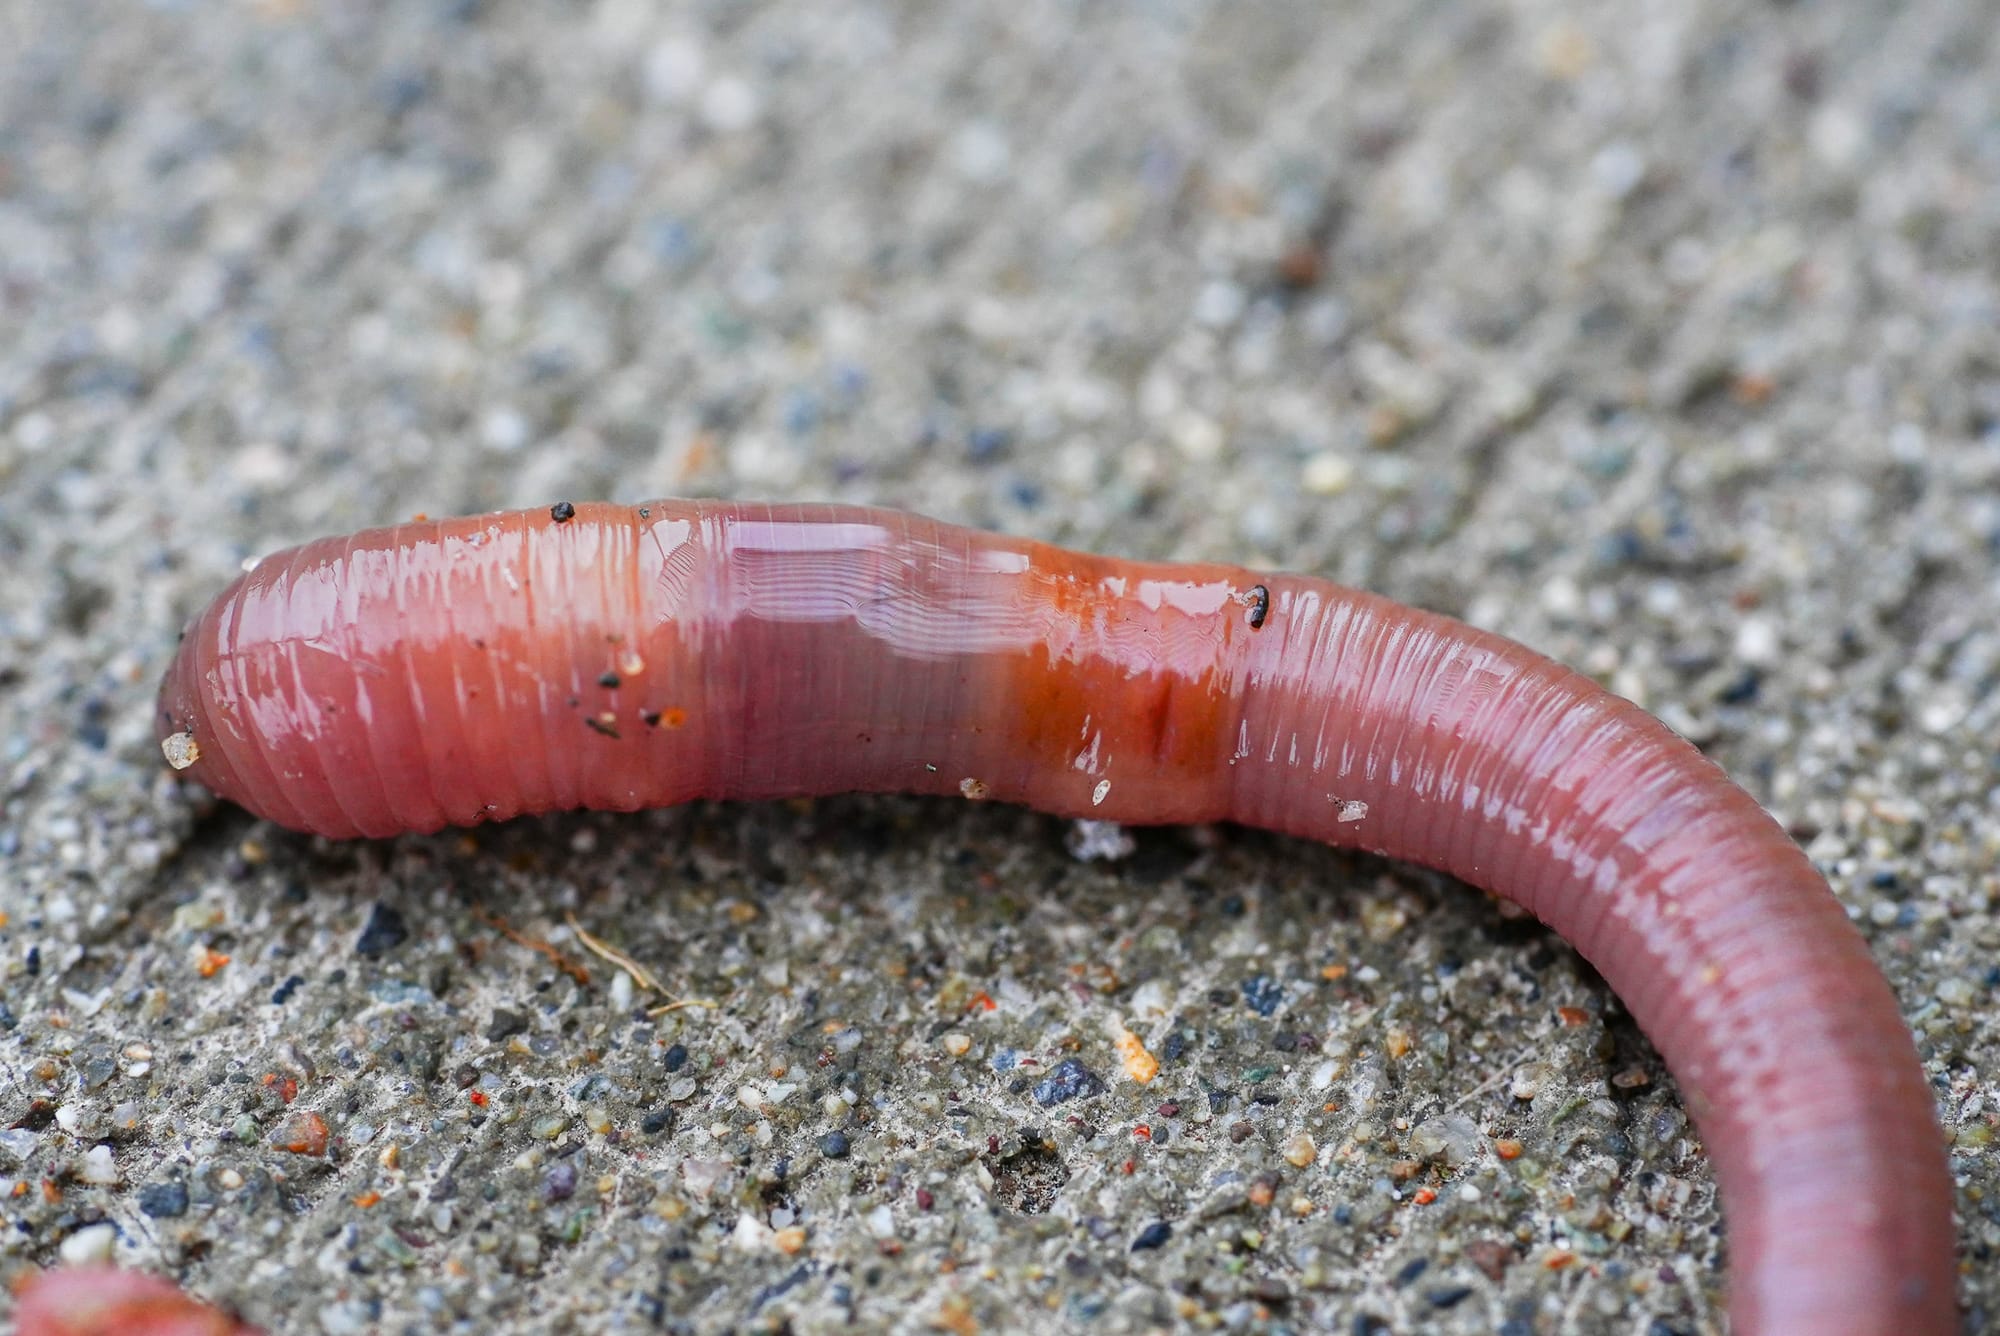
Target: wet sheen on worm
618	657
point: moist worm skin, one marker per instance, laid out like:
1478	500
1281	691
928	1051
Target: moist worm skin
458	671
110	1301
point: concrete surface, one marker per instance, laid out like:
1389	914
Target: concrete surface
1664	337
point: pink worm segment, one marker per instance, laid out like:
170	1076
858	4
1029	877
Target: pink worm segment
451	672
107	1301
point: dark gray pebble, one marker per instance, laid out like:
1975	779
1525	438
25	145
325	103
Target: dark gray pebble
1070	1080
384	931
559	1184
1448	1296
164	1201
1263	994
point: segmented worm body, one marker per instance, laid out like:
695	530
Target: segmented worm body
106	1301
618	657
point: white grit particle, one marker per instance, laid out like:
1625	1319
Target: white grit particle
180	749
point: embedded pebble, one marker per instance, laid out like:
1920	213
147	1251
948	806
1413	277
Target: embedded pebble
1070	1080
89	1246
1451	1138
97	1166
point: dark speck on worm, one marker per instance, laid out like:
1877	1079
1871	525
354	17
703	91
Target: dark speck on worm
1260	606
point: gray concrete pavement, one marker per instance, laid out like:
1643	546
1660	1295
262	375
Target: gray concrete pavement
1665	338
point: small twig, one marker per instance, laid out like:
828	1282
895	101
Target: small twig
683	1002
642	976
557	958
1507	1070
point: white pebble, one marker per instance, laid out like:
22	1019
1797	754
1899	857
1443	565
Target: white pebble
980	152
343	1319
1617	169
1757	642
1837	136
703	1175
1198	438
1219	303
34	431
262	464
1328	474
1561	598
1093	841
1527	1082
98	1166
1943	713
504	431
1450	1137
729	105
1956	993
180	749
89	1245
752	1235
1151	1000
674	69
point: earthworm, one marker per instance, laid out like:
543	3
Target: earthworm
618	657
107	1301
